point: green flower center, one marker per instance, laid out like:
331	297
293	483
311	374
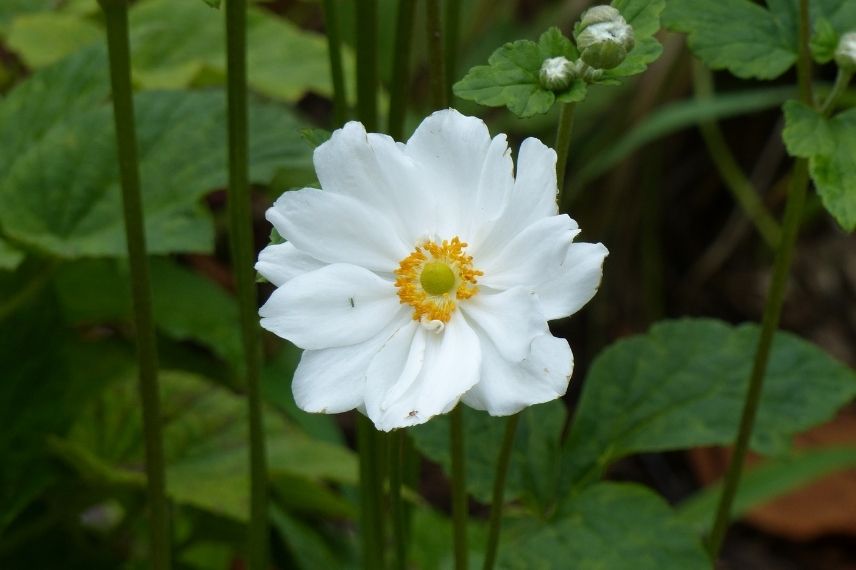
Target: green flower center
437	278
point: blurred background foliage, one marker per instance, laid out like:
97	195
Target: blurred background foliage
641	180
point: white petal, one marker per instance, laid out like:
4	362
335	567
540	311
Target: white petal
333	380
531	256
282	261
336	305
495	185
510	320
337	228
448	367
375	170
505	387
576	283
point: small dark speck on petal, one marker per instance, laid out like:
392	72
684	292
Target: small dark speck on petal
351	301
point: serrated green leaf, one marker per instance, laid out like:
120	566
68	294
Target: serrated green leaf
607	526
44	38
834	173
746	38
532	470
765	482
10	258
823	41
806	131
205	445
682	385
59	190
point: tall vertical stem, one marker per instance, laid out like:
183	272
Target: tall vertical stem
367	75
400	82
563	143
399	526
242	250
452	38
116	18
436	59
772	308
459	488
371	518
495	524
334	49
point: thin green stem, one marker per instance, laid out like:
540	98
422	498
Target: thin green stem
563	143
116	19
400	83
367	74
452	37
772	308
436	59
396	469
495	524
242	251
459	487
735	180
334	49
370	495
842	80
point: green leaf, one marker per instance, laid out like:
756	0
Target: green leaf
824	41
59	189
748	39
511	77
44	38
213	3
830	146
306	545
10	9
607	526
682	385
765	482
10	258
205	443
533	466
315	137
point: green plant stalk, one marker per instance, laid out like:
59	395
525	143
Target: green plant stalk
334	49
242	251
842	80
735	180
563	143
116	19
772	308
498	498
367	74
459	487
452	38
396	469
398	89
371	533
436	58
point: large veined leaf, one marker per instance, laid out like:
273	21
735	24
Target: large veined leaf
10	257
9	9
608	525
748	39
205	441
534	464
830	146
59	189
46	37
683	384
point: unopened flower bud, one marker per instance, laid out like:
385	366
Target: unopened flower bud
603	37
845	53
556	73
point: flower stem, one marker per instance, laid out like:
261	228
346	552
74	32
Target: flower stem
841	81
116	19
741	187
459	487
495	523
772	308
367	77
370	494
563	143
334	49
396	468
436	59
242	251
398	89
453	31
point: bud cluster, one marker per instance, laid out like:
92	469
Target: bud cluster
604	37
845	53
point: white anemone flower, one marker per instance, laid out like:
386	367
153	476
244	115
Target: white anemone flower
424	274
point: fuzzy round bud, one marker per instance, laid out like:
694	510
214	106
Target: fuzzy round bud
603	37
845	53
556	73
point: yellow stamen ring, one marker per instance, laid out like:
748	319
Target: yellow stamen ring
434	277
